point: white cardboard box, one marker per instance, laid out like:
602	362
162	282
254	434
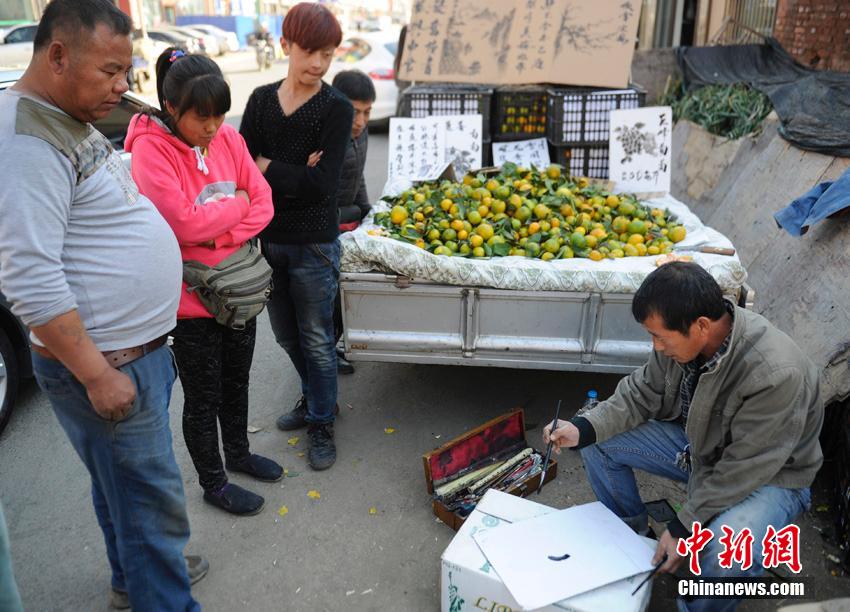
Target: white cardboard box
469	582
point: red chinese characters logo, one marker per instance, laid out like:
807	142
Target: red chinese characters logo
780	547
694	544
737	549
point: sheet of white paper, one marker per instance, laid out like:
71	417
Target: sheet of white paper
510	508
416	146
522	152
419	145
601	549
639	151
463	141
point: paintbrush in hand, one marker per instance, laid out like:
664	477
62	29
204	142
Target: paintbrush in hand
549	447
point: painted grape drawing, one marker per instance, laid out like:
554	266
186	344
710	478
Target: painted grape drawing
636	141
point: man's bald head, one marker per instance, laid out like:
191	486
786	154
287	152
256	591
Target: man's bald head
74	19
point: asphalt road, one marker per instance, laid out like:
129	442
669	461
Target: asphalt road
329	553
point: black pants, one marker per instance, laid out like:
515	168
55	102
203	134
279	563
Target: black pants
214	364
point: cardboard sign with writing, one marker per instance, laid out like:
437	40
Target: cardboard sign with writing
575	42
639	156
421	147
522	152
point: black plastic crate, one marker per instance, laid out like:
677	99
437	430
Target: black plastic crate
581	115
519	113
590	160
486	154
448	99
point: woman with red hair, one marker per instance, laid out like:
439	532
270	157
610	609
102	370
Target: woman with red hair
297	130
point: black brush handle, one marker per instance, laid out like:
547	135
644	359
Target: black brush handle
549	447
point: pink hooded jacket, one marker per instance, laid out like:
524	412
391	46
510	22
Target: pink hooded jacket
195	193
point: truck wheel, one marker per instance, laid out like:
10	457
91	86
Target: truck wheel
9	379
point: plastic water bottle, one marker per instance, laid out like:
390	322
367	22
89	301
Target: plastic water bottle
590	401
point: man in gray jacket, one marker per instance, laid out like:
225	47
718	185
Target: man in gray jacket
727	403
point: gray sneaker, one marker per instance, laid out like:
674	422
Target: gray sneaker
295	418
119	600
197	566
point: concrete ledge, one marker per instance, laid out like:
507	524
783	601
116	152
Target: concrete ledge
801	284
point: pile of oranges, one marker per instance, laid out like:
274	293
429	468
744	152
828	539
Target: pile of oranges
525	212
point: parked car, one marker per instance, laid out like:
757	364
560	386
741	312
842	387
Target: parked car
373	53
228	42
15	364
16	50
209	43
176	39
146	50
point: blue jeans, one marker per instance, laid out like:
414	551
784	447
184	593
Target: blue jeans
652	447
301	312
10	600
137	489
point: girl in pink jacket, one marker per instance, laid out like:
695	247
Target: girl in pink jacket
197	171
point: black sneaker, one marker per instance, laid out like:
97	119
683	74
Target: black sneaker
322	453
343	366
236	500
295	418
257	466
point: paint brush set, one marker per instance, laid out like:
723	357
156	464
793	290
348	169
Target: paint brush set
495	455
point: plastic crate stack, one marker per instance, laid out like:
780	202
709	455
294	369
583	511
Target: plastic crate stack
451	99
519	113
578	122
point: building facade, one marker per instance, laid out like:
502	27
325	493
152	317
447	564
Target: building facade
815	32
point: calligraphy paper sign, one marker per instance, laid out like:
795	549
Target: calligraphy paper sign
463	141
575	42
424	145
639	156
416	147
522	152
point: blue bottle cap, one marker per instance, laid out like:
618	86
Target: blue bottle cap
592	393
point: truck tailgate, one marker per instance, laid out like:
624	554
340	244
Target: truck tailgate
391	318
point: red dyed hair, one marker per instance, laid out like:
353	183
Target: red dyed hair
311	26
